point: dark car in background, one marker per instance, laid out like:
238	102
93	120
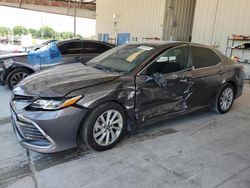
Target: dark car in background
124	87
15	67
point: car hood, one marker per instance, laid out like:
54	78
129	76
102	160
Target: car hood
13	55
61	80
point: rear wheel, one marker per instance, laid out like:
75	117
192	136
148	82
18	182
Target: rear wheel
16	75
104	126
225	99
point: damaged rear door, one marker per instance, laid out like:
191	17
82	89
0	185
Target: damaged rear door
165	85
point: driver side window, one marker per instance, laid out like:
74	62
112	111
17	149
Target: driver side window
170	61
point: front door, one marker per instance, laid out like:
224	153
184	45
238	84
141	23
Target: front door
165	85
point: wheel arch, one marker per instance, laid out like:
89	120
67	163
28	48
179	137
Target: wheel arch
8	71
233	83
81	125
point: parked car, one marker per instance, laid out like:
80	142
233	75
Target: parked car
126	86
15	67
35	47
8	49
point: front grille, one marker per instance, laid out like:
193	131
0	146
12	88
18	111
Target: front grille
30	132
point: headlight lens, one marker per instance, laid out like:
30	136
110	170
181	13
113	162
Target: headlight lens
54	104
8	63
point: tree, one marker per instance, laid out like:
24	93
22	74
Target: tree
67	35
46	32
79	36
33	32
5	31
20	30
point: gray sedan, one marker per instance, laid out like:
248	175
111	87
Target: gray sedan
119	90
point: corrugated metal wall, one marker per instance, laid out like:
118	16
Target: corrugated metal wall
146	18
141	18
182	15
215	20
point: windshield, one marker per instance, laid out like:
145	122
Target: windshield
123	58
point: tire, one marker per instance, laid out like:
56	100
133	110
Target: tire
223	104
15	76
93	126
2	79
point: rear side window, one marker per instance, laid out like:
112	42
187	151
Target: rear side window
204	57
91	47
71	48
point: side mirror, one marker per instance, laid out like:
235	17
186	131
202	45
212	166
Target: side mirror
158	78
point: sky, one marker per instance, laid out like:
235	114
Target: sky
10	17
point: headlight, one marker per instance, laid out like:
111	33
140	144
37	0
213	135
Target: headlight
54	104
8	63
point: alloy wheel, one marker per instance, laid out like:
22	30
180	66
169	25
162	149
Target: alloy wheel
16	78
108	127
226	99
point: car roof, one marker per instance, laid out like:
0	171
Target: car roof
83	40
166	44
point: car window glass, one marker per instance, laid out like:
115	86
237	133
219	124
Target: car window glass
204	57
124	58
91	47
71	48
172	60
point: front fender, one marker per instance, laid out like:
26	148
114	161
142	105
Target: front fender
121	91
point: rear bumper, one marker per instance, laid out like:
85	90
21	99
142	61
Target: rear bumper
47	131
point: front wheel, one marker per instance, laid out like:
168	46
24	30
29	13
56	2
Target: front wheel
224	99
104	126
15	76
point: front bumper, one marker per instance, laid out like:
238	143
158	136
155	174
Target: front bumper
47	131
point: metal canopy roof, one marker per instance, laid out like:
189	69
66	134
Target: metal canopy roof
83	4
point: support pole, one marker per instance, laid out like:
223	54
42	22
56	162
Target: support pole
75	19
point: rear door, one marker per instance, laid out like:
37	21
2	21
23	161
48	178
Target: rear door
71	51
206	75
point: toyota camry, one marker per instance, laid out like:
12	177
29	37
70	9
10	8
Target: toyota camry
98	101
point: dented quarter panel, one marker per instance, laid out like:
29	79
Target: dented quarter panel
234	73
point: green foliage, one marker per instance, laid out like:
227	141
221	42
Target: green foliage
46	32
67	35
79	36
20	30
5	31
33	32
43	33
